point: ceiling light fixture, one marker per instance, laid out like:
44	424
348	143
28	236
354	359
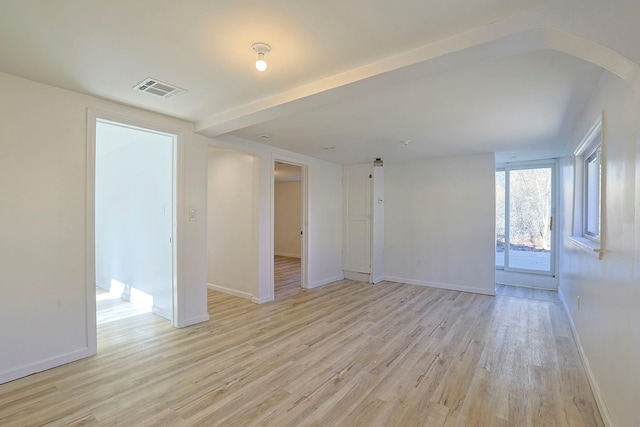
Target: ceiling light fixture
261	49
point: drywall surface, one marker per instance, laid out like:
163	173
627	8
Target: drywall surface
609	289
439	222
287	218
232	232
46	245
324	214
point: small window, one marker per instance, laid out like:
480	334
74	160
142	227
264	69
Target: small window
592	193
589	190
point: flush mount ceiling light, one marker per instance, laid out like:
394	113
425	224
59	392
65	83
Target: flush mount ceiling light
261	49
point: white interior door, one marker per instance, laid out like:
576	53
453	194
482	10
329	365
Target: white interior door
357	218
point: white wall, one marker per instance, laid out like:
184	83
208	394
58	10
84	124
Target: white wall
324	230
134	215
440	223
47	292
287	218
609	289
232	233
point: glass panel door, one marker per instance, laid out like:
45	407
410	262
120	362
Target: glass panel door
524	232
500	220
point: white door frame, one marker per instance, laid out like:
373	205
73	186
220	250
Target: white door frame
177	195
529	278
304	250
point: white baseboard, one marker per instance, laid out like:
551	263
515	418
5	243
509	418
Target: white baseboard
43	365
102	286
262	300
447	286
287	254
161	312
229	291
325	281
191	321
353	275
595	388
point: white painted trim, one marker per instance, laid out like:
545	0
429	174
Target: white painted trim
595	388
256	300
178	207
103	286
288	255
447	286
161	312
590	247
43	365
90	238
588	140
578	238
355	275
325	282
229	291
304	221
178	231
293	179
192	321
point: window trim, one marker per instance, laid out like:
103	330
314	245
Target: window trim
594	143
595	152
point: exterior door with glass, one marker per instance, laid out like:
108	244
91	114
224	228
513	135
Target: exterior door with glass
525	230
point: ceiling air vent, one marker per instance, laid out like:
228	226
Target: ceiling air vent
158	88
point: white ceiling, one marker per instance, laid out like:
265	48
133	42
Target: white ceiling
523	106
519	103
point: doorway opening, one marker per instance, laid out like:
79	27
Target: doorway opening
525	230
289	237
135	250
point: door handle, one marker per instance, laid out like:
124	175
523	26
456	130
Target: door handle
551	223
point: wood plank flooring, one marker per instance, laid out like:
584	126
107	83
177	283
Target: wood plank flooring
346	354
286	277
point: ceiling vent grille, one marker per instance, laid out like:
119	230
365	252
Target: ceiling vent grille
158	88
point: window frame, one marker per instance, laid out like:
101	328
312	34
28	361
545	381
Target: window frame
594	153
593	144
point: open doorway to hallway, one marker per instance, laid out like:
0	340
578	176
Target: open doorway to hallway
288	199
134	221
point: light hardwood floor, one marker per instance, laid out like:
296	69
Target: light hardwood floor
347	354
286	277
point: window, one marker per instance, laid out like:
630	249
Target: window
589	191
592	193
